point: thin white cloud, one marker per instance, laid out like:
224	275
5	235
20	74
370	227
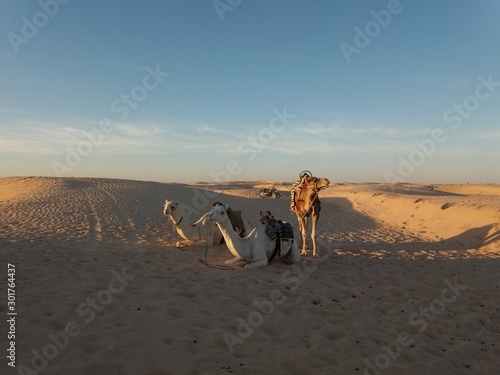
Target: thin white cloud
337	131
129	138
329	131
132	130
208	129
488	135
26	146
31	137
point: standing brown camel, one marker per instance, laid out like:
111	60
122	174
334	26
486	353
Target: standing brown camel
307	204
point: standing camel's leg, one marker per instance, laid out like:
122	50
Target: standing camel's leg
303	233
315	218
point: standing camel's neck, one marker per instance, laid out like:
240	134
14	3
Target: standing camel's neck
235	244
309	196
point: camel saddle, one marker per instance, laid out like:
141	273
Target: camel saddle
277	230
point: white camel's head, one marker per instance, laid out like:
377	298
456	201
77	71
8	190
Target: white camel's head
170	207
218	214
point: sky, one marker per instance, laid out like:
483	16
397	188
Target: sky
218	90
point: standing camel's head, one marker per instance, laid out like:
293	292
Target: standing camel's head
218	214
316	184
170	207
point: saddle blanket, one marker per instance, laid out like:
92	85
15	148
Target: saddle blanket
275	228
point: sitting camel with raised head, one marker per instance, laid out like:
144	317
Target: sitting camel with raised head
307	204
235	219
200	233
257	248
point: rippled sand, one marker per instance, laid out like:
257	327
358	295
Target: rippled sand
406	282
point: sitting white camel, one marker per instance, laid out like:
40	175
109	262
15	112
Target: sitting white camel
199	233
256	248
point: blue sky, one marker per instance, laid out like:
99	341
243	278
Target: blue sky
182	91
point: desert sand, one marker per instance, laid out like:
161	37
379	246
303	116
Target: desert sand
407	282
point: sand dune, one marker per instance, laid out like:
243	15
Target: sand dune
406	283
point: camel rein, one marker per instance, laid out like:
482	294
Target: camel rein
170	218
205	262
316	194
169	221
176	225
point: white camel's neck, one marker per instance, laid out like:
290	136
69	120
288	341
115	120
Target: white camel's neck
234	241
176	217
183	226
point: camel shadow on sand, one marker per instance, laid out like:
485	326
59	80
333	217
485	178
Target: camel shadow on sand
353	232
